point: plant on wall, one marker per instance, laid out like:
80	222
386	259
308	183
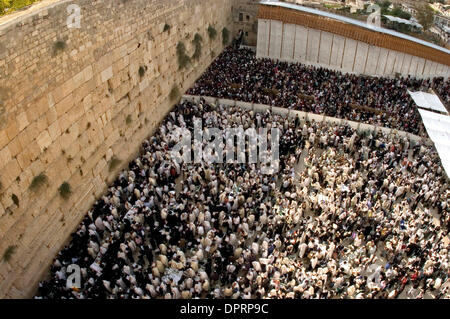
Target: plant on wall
8	253
113	163
59	45
225	36
212	33
15	199
183	58
38	182
65	190
142	70
129	119
198	46
166	27
174	93
8	6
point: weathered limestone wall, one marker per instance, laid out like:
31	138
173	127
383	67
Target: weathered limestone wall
72	99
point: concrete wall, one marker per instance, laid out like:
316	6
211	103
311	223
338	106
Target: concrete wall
66	112
296	43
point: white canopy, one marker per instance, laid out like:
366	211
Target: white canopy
428	101
438	128
400	20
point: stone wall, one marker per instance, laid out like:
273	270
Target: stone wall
245	17
73	99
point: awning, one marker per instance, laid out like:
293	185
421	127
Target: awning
428	101
404	21
438	129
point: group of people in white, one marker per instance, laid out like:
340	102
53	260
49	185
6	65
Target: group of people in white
349	214
238	75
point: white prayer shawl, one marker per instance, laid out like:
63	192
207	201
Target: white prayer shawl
99	223
256	266
302	251
255	248
164	260
160	267
189	283
200	254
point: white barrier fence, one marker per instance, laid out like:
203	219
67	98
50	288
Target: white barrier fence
306	116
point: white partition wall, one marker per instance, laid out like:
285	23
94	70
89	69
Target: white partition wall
293	42
301	42
262	48
287	50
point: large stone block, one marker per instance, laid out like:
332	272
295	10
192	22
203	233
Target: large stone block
107	74
15	147
5	156
3	139
65	104
44	140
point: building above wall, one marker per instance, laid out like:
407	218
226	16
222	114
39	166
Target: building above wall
245	18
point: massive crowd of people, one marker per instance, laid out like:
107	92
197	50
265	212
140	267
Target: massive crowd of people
349	214
442	88
237	74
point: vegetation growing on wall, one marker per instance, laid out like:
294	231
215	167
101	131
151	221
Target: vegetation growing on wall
65	190
8	6
174	93
225	36
59	45
212	33
166	27
142	70
129	119
183	58
15	199
198	46
38	182
8	253
113	163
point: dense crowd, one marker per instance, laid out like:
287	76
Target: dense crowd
442	88
237	74
342	202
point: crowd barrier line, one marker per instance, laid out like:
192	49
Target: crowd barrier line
305	116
